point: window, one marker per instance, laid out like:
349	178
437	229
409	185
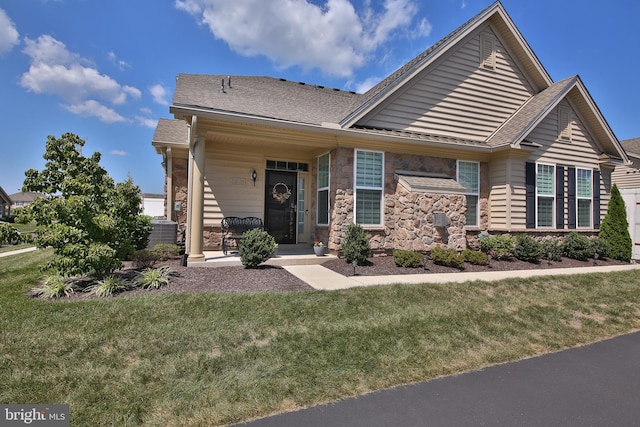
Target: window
488	52
584	193
564	124
323	190
369	184
469	177
545	195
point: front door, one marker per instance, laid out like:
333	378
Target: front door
280	219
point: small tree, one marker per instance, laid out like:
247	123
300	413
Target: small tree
615	228
91	223
356	246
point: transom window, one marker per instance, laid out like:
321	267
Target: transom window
584	196
545	195
369	185
469	177
323	189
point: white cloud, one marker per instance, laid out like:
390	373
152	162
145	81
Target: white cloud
118	153
159	94
145	121
9	36
367	84
92	108
121	64
333	38
56	71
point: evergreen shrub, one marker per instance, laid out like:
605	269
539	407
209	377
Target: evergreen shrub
256	247
527	249
409	259
355	245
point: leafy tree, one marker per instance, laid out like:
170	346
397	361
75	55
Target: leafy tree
91	223
615	228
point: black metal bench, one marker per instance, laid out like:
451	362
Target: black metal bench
233	227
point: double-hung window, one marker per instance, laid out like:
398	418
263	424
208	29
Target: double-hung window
469	177
323	189
545	195
584	197
369	186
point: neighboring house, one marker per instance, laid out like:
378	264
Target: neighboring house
5	204
627	178
23	199
153	205
470	136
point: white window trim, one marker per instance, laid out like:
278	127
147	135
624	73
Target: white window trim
552	196
327	188
356	187
477	194
590	226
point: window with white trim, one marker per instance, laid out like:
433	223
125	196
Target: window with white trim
323	189
468	175
584	197
545	195
369	186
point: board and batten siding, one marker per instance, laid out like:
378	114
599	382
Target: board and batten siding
458	97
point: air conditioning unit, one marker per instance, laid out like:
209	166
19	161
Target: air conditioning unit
439	219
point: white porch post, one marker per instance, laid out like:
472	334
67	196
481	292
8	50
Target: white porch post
197	200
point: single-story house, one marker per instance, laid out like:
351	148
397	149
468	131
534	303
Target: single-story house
22	199
471	136
5	204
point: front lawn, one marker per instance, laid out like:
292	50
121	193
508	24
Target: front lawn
213	359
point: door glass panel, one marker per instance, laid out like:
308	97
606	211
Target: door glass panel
301	206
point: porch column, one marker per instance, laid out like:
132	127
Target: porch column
197	200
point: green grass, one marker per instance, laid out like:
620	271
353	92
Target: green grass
213	359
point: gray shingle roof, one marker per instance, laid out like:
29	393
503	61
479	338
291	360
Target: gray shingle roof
423	183
631	146
266	97
171	132
516	127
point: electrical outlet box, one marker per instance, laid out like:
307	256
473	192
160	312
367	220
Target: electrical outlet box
177	206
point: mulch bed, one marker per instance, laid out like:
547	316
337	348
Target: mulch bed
192	280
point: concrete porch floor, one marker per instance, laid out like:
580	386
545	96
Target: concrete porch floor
287	255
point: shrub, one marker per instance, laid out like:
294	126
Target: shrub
144	258
108	286
577	246
527	249
447	257
54	287
500	246
615	228
154	277
409	259
256	247
356	246
166	250
475	257
8	234
600	246
552	250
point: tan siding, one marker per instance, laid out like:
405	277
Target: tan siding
627	177
498	196
458	97
518	206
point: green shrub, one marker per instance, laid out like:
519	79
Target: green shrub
355	245
256	247
144	258
154	277
552	249
108	286
615	228
600	246
447	257
577	246
54	287
409	259
527	249
8	234
500	246
166	251
475	257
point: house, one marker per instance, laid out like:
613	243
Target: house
5	204
23	199
627	178
471	136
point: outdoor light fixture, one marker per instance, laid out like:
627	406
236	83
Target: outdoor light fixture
254	176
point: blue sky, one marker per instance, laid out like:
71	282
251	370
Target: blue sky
105	70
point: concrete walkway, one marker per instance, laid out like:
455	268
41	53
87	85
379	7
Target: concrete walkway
322	278
17	251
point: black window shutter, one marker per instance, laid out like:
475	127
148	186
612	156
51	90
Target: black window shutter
596	199
559	197
571	200
530	184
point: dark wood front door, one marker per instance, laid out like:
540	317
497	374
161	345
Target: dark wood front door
280	205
